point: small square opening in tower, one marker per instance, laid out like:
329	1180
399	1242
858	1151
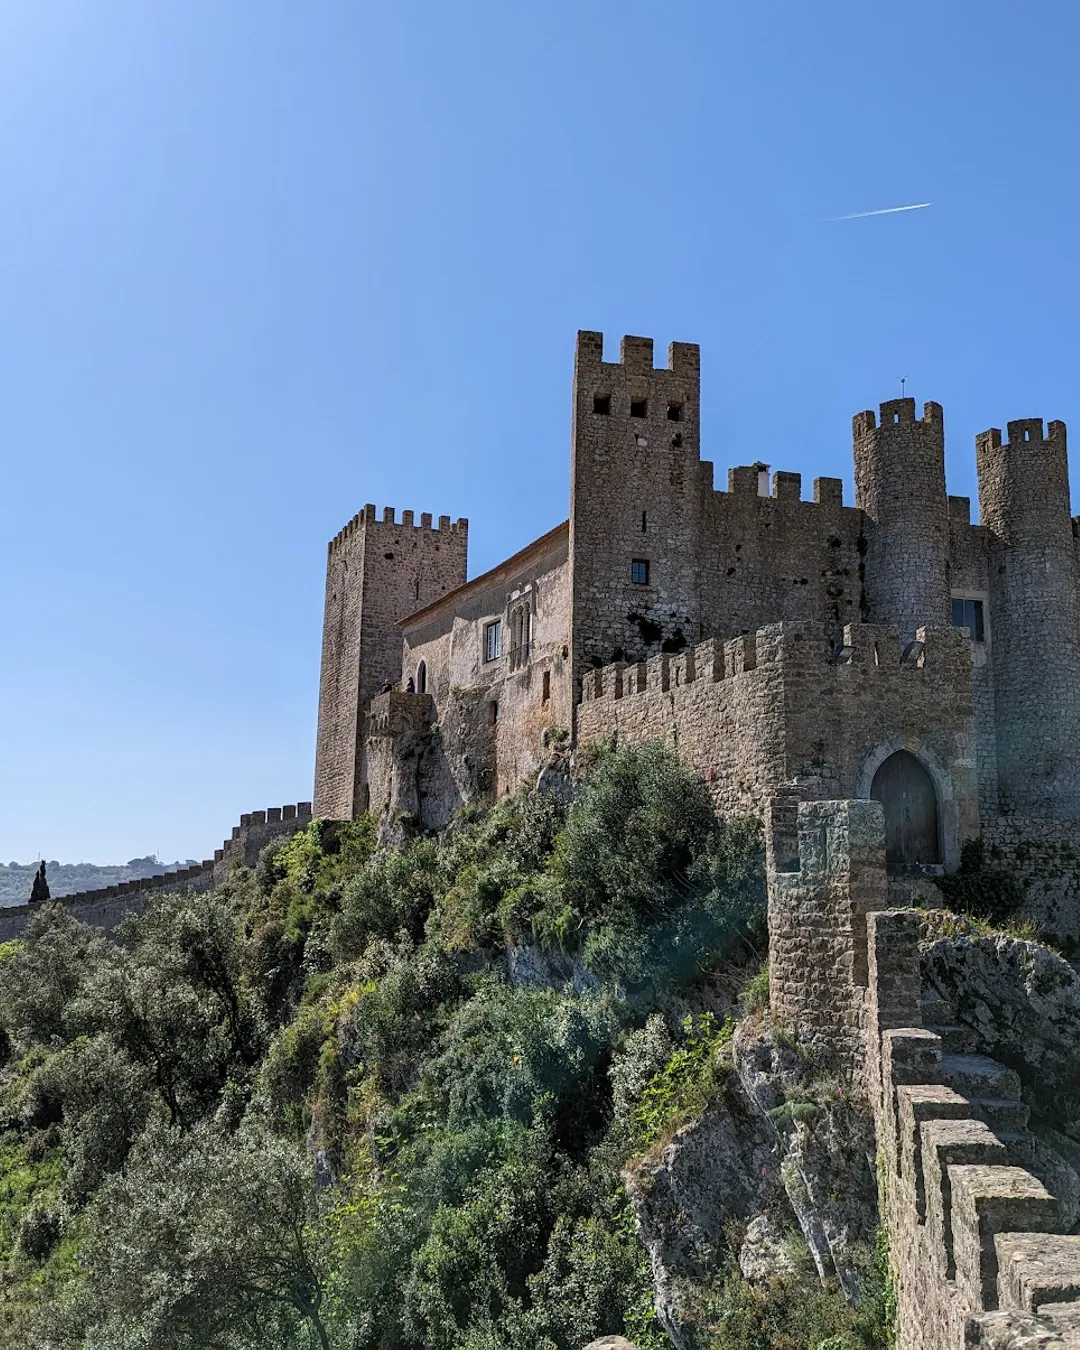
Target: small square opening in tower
639	407
601	404
639	571
674	412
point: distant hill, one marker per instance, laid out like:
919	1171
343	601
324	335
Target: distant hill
70	878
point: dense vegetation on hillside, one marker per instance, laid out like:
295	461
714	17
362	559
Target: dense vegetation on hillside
364	1097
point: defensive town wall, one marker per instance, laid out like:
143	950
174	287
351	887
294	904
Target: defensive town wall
978	1252
105	907
784	706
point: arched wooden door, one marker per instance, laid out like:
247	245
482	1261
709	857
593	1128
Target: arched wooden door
912	832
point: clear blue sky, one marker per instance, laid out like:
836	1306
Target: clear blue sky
262	262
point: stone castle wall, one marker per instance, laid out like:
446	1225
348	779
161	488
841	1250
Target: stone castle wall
782	707
1024	501
511	701
977	1249
105	907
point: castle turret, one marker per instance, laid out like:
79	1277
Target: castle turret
900	484
377	572
1034	619
637	491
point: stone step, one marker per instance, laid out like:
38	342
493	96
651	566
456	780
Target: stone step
980	1076
1019	1145
1002	1113
956	1040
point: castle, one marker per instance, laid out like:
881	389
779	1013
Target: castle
886	650
880	682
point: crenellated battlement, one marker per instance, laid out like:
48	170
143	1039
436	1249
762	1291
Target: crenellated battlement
865	645
897	412
979	1249
751	482
636	357
176	877
1022	431
368	519
255	831
710	660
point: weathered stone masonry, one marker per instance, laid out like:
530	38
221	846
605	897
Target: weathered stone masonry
658	577
978	1252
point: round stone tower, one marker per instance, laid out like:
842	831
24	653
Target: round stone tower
900	484
1034	619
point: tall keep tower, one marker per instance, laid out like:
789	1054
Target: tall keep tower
900	484
636	498
377	572
1034	617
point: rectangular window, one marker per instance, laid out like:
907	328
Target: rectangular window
639	571
639	407
601	404
969	614
493	641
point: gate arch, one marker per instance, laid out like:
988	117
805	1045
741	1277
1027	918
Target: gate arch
904	787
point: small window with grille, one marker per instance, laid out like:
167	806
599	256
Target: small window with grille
639	571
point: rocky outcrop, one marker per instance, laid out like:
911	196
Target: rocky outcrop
824	1140
784	1146
685	1191
1014	1000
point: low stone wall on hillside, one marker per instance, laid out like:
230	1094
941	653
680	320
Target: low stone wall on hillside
104	908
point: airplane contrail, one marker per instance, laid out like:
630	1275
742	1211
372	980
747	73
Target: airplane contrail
886	211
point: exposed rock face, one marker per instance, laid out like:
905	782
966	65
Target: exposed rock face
826	1166
1022	1002
610	1343
737	1162
718	1168
764	1254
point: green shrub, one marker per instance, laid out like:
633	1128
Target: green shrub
393	893
755	994
688	1082
980	889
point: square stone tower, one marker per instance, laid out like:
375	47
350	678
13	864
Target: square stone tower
377	572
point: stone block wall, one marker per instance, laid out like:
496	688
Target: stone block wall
377	572
826	872
784	706
498	709
977	1248
1045	855
1024	500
